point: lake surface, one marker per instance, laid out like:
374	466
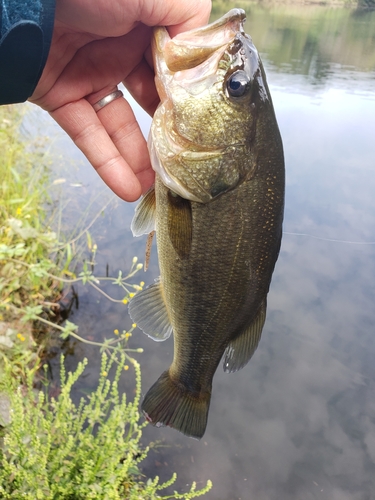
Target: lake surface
298	422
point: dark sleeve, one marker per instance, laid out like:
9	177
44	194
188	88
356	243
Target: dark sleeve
26	28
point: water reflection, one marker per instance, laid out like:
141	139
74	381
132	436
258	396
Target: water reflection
308	40
299	421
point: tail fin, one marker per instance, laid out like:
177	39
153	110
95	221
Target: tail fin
168	403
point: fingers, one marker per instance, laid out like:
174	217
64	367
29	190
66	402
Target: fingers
110	139
123	129
140	83
94	67
177	16
112	142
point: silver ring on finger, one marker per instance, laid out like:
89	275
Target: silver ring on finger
107	99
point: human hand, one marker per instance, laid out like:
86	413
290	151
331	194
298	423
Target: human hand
95	46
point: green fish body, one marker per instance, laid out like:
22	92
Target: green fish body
217	207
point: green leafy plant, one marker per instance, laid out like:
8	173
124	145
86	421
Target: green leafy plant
24	236
34	264
54	449
26	242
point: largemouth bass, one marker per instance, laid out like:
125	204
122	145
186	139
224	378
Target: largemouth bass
217	207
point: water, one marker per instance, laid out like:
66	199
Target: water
298	422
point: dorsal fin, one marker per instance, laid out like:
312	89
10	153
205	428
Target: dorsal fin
144	217
148	310
241	349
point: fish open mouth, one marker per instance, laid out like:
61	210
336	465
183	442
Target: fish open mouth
202	47
191	48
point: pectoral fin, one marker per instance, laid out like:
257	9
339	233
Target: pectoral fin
148	310
144	218
180	227
240	350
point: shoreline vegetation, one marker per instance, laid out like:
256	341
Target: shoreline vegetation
49	446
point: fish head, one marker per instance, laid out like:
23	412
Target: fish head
212	90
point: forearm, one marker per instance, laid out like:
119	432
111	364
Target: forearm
26	28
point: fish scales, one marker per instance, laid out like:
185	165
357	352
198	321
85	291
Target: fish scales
217	207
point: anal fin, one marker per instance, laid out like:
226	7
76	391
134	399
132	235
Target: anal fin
239	352
148	310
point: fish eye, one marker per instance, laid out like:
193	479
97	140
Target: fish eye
237	84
